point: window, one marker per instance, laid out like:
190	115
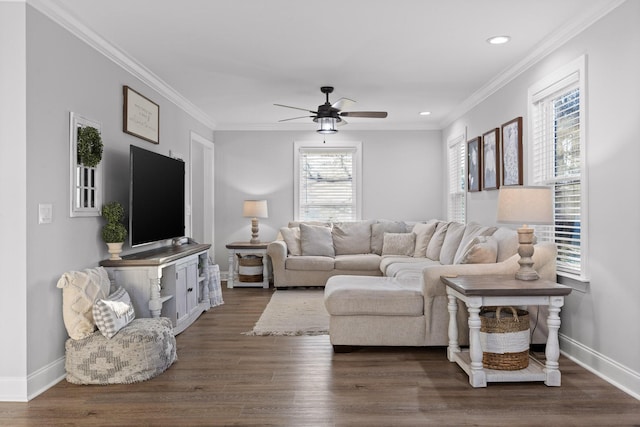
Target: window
557	111
327	181
457	180
86	181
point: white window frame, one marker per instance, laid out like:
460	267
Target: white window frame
571	76
355	146
86	183
457	182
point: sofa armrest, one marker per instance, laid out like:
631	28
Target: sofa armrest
544	259
277	251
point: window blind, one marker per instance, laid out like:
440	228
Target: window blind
557	162
327	184
456	209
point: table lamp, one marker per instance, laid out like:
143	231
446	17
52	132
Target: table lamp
525	205
255	209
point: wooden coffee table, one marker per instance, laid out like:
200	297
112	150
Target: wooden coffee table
479	291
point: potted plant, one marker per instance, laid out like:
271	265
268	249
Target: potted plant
113	232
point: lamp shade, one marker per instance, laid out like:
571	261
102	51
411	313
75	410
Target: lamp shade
326	125
525	205
255	209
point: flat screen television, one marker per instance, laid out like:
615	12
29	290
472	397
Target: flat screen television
156	197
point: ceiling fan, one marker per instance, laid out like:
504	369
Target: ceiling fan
328	115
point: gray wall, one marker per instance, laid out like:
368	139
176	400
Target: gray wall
599	327
402	178
64	74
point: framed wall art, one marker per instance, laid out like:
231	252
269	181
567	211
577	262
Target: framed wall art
474	164
491	160
141	116
512	152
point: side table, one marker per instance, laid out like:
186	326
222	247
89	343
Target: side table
478	291
246	248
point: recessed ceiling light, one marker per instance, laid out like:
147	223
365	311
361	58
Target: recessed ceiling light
498	39
425	113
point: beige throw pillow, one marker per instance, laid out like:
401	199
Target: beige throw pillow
377	233
472	230
435	244
480	250
398	244
291	237
451	243
424	233
80	290
316	240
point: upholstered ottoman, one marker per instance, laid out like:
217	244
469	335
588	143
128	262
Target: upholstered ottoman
375	311
141	350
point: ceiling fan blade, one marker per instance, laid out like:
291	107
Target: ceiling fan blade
343	103
295	118
296	108
369	114
342	122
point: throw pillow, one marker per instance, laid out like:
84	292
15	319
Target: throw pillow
435	244
113	313
480	250
377	233
291	237
451	243
472	230
350	238
80	289
398	244
316	240
424	233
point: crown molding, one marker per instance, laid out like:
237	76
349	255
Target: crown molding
543	49
62	17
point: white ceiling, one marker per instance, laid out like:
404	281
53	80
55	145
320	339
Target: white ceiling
233	59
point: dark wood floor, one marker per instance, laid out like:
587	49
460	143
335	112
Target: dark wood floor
225	378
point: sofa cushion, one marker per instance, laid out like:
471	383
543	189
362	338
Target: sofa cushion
375	296
398	268
424	233
377	233
352	237
451	243
113	313
291	237
80	290
472	230
313	263
315	240
398	244
480	250
362	262
435	244
507	243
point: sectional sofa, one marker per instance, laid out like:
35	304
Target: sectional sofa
411	256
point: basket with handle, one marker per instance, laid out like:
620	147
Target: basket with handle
504	338
250	268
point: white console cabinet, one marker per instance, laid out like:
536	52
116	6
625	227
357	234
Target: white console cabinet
167	282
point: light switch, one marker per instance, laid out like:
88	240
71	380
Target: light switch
45	213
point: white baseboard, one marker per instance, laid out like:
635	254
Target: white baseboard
609	370
21	389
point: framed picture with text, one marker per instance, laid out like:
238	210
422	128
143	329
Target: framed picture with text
491	160
512	152
474	164
141	116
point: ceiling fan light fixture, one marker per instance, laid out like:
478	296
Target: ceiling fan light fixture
326	125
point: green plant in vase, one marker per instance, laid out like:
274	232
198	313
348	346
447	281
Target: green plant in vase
113	232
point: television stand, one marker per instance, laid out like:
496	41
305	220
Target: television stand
167	282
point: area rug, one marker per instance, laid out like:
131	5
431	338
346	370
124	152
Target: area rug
294	312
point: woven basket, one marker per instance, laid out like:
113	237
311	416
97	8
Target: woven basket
504	338
250	268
